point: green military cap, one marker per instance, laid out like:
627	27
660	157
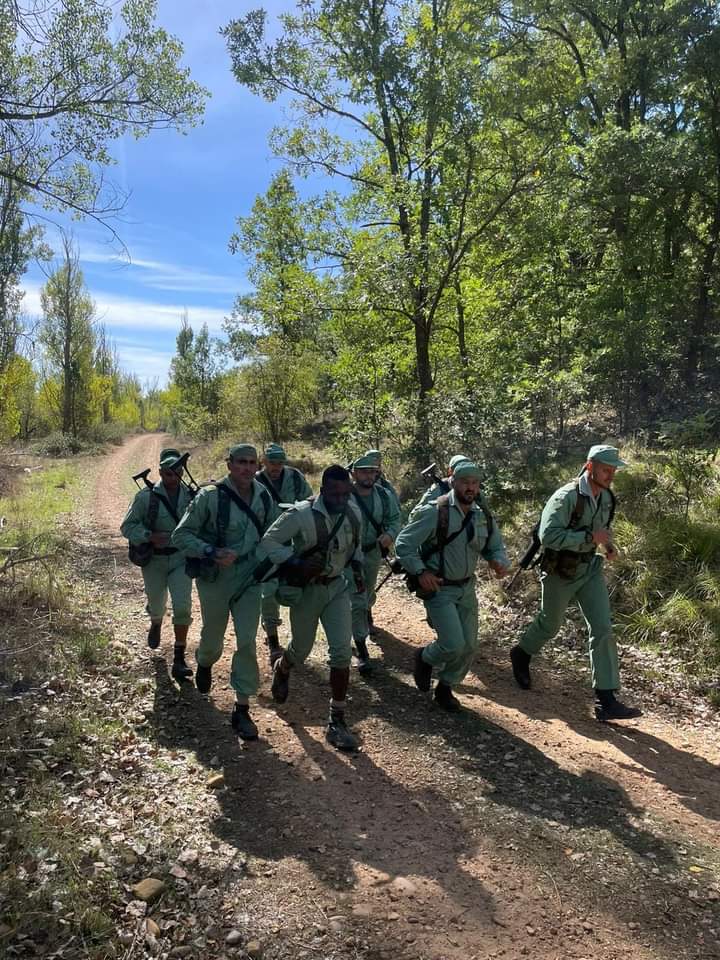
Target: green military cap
458	458
466	468
374	455
168	457
273	451
604	453
242	450
365	461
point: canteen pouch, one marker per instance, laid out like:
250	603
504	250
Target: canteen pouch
140	553
201	568
562	563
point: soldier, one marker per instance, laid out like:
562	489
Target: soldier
380	478
381	515
286	485
151	518
440	549
220	533
575	522
314	541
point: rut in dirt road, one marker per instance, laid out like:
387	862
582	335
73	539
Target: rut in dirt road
520	828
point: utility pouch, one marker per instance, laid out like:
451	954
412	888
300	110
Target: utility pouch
412	582
201	568
140	553
562	563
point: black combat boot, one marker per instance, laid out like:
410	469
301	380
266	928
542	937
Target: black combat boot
521	667
275	651
371	624
365	667
422	672
180	671
337	733
280	688
153	636
445	698
242	722
608	707
203	678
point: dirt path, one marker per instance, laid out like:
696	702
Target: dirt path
520	828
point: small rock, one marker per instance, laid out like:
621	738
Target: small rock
363	910
234	938
216	781
126	938
633	926
404	887
336	925
587	927
151	928
189	856
253	948
177	871
148	889
183	950
393	916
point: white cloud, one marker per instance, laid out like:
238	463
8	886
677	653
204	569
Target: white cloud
144	362
159	275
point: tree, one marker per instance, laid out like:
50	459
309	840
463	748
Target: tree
393	100
68	337
78	74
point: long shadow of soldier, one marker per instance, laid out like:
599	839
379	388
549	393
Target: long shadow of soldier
298	799
694	780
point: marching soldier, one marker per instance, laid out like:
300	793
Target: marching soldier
151	518
220	533
575	522
313	542
440	549
381	515
380	478
286	485
441	486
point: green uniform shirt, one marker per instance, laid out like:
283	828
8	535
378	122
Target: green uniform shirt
383	507
557	515
290	486
135	526
461	556
198	528
294	531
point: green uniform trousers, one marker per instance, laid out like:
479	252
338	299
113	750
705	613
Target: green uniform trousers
590	591
362	603
270	607
453	612
216	609
165	574
328	604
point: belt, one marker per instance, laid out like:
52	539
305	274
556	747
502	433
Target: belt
164	551
456	583
324	581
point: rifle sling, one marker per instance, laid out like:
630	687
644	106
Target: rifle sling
239	502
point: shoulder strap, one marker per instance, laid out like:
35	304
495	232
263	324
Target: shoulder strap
322	536
297	482
441	531
582	501
155	500
265	480
239	502
366	513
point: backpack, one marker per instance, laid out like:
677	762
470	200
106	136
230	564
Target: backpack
442	540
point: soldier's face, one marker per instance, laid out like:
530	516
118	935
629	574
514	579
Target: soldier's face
365	476
466	488
274	468
336	494
171	478
601	473
242	470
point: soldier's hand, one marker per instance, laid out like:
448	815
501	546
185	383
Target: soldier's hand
499	569
385	541
158	539
428	582
601	536
225	557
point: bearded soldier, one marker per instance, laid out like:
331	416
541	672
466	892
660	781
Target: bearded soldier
219	534
381	516
575	522
440	549
151	518
286	485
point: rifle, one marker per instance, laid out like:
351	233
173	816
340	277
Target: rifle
191	484
529	558
394	569
143	475
430	473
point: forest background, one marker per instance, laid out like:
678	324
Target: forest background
516	253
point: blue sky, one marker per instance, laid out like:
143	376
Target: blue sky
185	194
